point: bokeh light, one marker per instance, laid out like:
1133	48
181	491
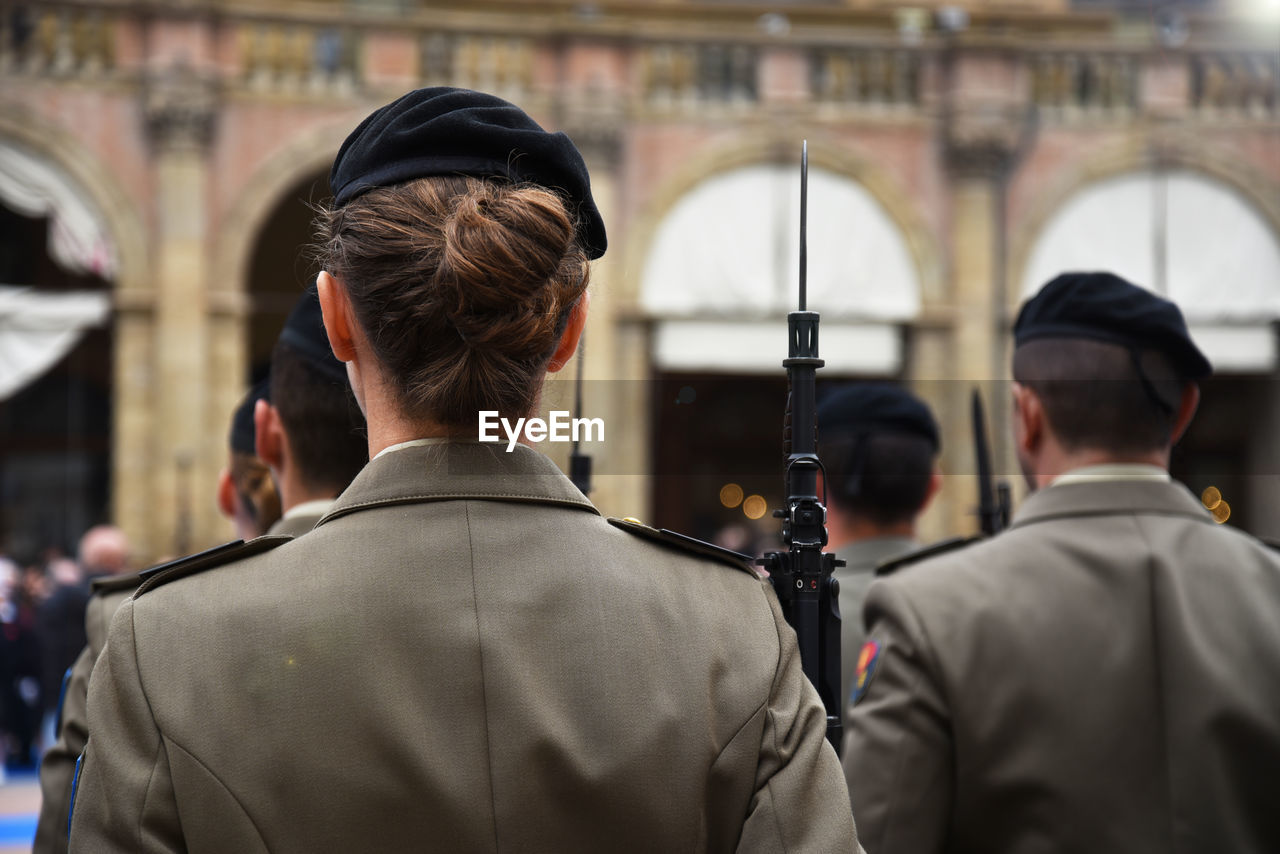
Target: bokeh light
1211	497
755	507
731	495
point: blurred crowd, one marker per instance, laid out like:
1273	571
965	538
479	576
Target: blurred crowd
42	630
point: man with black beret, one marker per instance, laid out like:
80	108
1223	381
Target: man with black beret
879	445
309	431
1104	675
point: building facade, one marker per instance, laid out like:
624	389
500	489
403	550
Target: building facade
959	156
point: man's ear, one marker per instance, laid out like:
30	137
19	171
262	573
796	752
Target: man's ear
1028	418
268	440
226	494
339	317
1187	407
572	332
935	486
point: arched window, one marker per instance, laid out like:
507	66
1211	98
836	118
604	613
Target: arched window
722	274
1183	235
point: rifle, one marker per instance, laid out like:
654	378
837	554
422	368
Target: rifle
579	463
993	498
802	575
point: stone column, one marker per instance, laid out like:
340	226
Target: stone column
985	108
615	385
179	106
133	428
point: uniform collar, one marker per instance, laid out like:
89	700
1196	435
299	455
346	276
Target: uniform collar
1109	498
865	555
1112	471
458	470
316	508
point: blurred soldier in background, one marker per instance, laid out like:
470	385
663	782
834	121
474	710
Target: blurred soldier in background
312	437
310	432
248	498
1104	676
246	493
879	446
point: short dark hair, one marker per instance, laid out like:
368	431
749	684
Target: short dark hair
1102	396
326	431
883	477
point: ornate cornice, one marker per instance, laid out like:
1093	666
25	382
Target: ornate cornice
180	107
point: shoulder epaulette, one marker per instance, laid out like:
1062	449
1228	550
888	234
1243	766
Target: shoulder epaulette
208	559
892	565
686	544
114	583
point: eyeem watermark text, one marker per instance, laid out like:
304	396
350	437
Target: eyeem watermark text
560	428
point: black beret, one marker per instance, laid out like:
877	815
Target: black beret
446	131
243	434
1104	307
875	408
304	333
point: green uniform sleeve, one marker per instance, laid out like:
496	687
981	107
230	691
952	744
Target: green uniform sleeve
898	756
800	802
57	768
123	795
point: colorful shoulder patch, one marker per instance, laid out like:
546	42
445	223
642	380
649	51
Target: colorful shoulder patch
868	658
891	566
199	562
686	544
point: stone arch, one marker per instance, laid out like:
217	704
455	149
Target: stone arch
829	154
307	154
1172	152
120	213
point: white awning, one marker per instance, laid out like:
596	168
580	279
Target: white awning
38	328
78	240
758	347
1184	235
730	248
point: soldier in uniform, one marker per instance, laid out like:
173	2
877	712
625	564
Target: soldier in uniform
306	427
1103	676
310	432
879	445
462	655
246	493
248	498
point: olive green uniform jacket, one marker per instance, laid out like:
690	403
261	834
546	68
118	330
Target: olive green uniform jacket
861	559
57	767
462	656
300	520
1104	676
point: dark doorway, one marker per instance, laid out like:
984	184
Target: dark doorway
1230	449
55	433
717	433
279	271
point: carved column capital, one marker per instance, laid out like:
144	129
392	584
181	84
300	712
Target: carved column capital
982	141
180	107
594	122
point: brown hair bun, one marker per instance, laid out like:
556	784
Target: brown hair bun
463	286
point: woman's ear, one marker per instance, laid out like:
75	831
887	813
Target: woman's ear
339	321
572	332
